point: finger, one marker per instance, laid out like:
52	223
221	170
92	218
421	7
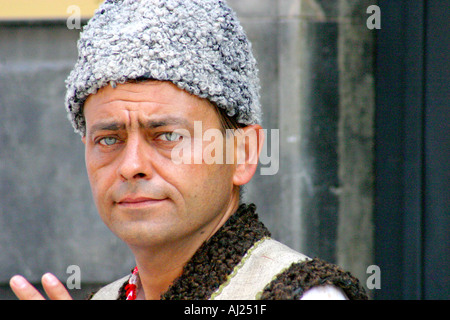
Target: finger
23	289
54	288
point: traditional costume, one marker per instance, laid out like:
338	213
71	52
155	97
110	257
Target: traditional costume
242	262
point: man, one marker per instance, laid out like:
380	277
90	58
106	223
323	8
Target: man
151	75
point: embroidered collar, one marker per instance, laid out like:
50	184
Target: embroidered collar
215	259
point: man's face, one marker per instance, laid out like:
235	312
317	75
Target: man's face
143	196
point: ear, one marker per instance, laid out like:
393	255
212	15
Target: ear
249	142
83	139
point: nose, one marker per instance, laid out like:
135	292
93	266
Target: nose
135	161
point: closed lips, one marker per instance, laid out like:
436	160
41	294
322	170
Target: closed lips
137	200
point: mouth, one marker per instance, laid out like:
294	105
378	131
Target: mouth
139	202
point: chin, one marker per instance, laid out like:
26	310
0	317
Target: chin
139	233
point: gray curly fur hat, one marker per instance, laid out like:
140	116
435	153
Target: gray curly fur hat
199	45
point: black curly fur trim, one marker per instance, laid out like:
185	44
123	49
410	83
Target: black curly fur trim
299	277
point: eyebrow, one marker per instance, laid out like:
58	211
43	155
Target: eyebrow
153	124
150	124
106	126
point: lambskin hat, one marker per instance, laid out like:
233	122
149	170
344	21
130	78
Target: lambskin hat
199	45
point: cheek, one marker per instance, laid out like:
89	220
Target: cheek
100	179
202	181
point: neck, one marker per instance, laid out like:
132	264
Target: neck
159	266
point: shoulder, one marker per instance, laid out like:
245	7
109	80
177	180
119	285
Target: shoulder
271	270
314	279
261	263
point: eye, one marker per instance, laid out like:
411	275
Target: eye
171	136
107	141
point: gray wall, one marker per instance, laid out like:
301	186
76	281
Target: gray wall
315	64
47	217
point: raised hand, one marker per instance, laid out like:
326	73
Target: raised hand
52	286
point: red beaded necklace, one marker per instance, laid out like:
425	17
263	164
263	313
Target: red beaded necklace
131	287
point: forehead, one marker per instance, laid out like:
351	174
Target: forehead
148	99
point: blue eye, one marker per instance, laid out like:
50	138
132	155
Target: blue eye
108	141
171	136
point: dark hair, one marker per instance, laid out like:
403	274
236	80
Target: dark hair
226	121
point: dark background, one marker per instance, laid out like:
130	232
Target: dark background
412	207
